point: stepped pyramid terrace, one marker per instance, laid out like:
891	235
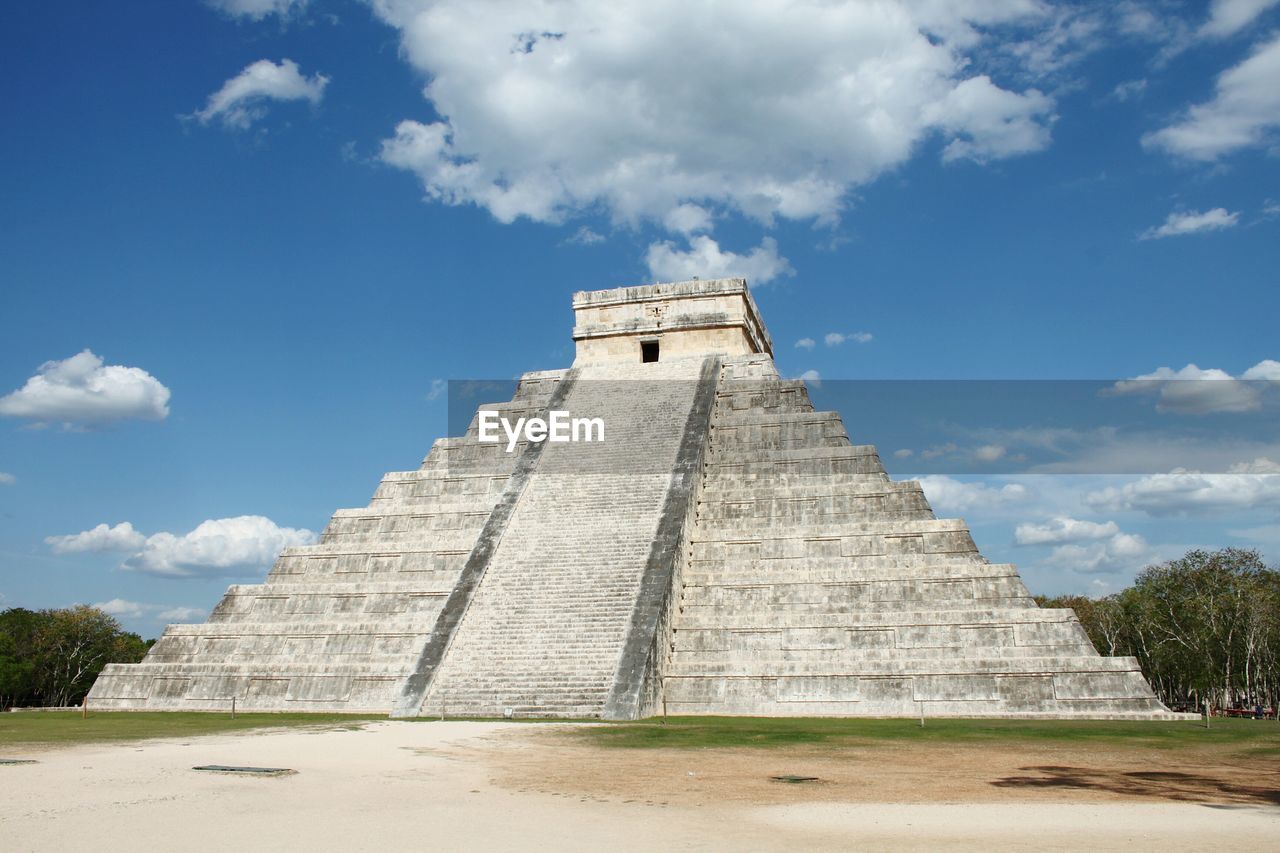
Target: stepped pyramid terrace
718	548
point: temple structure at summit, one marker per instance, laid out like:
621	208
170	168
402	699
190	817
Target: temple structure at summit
722	549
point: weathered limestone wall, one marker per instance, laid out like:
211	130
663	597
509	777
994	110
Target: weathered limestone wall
817	586
546	629
339	625
691	318
725	550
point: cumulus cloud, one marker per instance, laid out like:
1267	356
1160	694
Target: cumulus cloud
81	390
1266	370
705	259
812	377
121	608
122	537
1062	529
221	546
125	609
1228	17
806	343
256	10
1196	391
688	219
1183	492
7	479
1118	553
242	100
1191	222
990	452
644	108
949	495
1243	113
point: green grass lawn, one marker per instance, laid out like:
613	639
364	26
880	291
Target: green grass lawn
54	728
1254	736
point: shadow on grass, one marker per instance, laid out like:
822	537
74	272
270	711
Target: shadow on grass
1184	787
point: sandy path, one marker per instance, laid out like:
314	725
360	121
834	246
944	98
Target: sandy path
419	786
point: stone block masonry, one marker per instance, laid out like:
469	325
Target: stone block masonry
725	549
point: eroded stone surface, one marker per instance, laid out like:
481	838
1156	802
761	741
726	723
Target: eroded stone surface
726	550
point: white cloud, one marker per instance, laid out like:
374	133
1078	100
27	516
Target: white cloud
950	495
1129	90
904	453
1192	222
688	219
1062	529
835	339
990	123
122	537
1266	370
182	614
989	452
438	387
939	450
1121	552
705	259
1182	492
80	390
218	546
7	479
256	10
1197	391
1228	17
1243	112
125	609
1071	34
812	377
1261	465
806	343
241	100
584	236
221	546
638	107
121	608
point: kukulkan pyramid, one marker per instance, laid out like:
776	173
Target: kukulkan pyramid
725	549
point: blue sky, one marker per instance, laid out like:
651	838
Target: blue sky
276	226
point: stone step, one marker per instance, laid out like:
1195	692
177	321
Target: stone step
883	616
901	666
846	656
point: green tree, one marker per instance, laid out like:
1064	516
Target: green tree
51	657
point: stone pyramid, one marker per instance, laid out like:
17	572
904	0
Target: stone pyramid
724	550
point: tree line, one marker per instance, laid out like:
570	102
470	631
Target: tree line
50	658
1204	627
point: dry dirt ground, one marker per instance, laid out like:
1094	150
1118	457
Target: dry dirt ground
888	772
490	786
